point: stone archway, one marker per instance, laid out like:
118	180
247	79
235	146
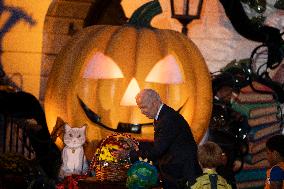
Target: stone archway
66	17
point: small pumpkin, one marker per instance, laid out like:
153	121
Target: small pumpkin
103	67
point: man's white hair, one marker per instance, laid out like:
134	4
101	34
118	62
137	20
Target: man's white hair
149	96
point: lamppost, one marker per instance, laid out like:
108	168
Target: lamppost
185	18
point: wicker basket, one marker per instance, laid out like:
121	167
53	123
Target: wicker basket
114	172
109	167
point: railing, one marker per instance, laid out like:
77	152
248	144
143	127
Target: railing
13	136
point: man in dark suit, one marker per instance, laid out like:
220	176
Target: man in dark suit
174	147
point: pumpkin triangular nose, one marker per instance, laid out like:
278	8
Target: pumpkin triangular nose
132	90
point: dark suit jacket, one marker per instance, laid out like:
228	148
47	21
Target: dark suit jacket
174	149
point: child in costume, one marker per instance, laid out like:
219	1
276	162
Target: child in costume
209	157
275	156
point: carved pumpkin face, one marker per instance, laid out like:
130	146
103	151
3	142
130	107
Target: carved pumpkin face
106	66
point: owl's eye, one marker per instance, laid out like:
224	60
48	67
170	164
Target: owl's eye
166	71
101	66
78	136
70	135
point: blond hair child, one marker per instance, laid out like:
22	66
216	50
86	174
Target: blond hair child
209	157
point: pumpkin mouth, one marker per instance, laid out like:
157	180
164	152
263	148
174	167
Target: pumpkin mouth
121	127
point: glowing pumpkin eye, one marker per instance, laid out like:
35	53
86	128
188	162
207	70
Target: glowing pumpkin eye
166	71
101	66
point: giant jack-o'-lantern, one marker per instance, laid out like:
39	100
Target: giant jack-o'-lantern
103	67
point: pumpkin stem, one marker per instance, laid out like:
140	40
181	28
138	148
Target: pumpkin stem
143	15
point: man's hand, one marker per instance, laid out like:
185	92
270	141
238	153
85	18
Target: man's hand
145	160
